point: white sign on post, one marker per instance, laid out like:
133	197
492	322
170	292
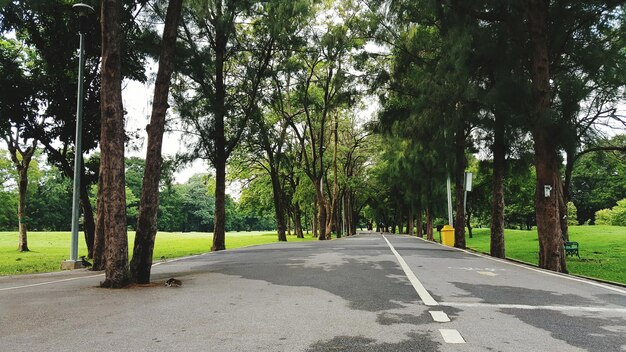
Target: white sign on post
468	181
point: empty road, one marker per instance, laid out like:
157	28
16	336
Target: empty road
364	293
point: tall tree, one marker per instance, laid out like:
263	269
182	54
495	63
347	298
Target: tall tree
269	135
113	196
218	89
549	189
18	99
145	235
40	26
324	88
21	160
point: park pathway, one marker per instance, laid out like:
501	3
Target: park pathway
369	292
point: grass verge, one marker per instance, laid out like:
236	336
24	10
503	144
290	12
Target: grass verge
48	249
602	249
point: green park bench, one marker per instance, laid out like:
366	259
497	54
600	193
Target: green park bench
571	248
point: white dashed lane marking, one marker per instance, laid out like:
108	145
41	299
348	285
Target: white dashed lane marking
439	316
487	273
451	336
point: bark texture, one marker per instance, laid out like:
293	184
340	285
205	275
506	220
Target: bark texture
149	204
112	151
98	244
297	220
220	155
21	210
497	200
459	223
332	215
420	224
429	225
315	220
279	208
321	213
89	223
219	230
547	163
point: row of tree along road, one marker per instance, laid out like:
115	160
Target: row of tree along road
278	92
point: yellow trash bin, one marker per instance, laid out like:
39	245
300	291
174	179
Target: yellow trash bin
447	235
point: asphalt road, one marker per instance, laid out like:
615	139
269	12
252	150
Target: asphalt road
364	293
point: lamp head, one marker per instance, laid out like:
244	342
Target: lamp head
83	9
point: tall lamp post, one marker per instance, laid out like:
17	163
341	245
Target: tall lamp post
84	11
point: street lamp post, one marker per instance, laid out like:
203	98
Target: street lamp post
83	11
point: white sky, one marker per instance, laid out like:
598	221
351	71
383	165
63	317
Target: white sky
138	105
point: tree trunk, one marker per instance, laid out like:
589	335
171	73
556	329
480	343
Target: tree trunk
112	150
497	248
89	224
337	225
333	204
21	161
297	219
551	252
321	213
315	221
349	214
21	207
354	215
279	208
420	223
468	215
219	230
429	225
459	223
547	163
98	243
288	223
409	224
145	236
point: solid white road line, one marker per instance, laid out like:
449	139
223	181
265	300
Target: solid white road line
439	316
417	285
451	336
49	282
542	271
90	276
529	307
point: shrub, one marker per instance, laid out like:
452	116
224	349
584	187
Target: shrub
572	219
619	213
615	216
603	217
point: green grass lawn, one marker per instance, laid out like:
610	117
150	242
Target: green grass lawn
602	249
48	249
